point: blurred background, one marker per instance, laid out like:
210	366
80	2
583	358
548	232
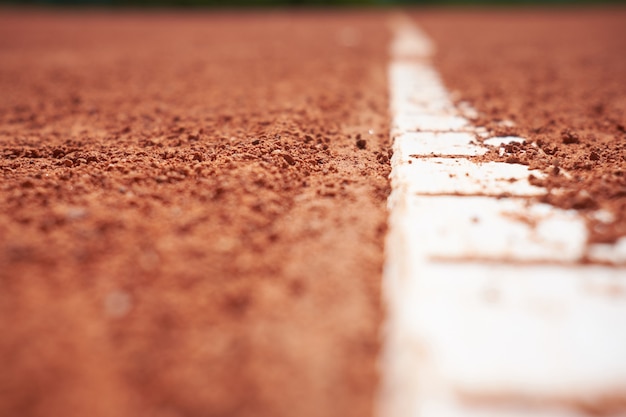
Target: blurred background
297	3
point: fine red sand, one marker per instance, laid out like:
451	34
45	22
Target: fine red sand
560	76
192	213
192	206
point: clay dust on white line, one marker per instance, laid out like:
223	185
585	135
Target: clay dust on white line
489	310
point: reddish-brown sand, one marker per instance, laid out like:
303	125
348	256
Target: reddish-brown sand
192	206
560	76
188	227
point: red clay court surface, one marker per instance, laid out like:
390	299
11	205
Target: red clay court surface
193	205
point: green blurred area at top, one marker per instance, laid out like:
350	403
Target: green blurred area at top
298	3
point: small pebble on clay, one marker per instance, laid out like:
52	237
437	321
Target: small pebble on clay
360	143
569	137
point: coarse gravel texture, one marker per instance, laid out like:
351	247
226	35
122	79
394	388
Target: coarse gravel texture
192	213
558	74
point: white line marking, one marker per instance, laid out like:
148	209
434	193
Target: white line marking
447	176
488	312
484	228
439	144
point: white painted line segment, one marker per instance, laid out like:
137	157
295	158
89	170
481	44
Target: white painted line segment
424	122
409	41
439	144
460	176
489	229
614	254
489	313
495	328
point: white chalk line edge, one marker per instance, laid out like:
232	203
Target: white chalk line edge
487	313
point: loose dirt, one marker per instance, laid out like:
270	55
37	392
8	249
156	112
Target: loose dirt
558	74
192	213
192	206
